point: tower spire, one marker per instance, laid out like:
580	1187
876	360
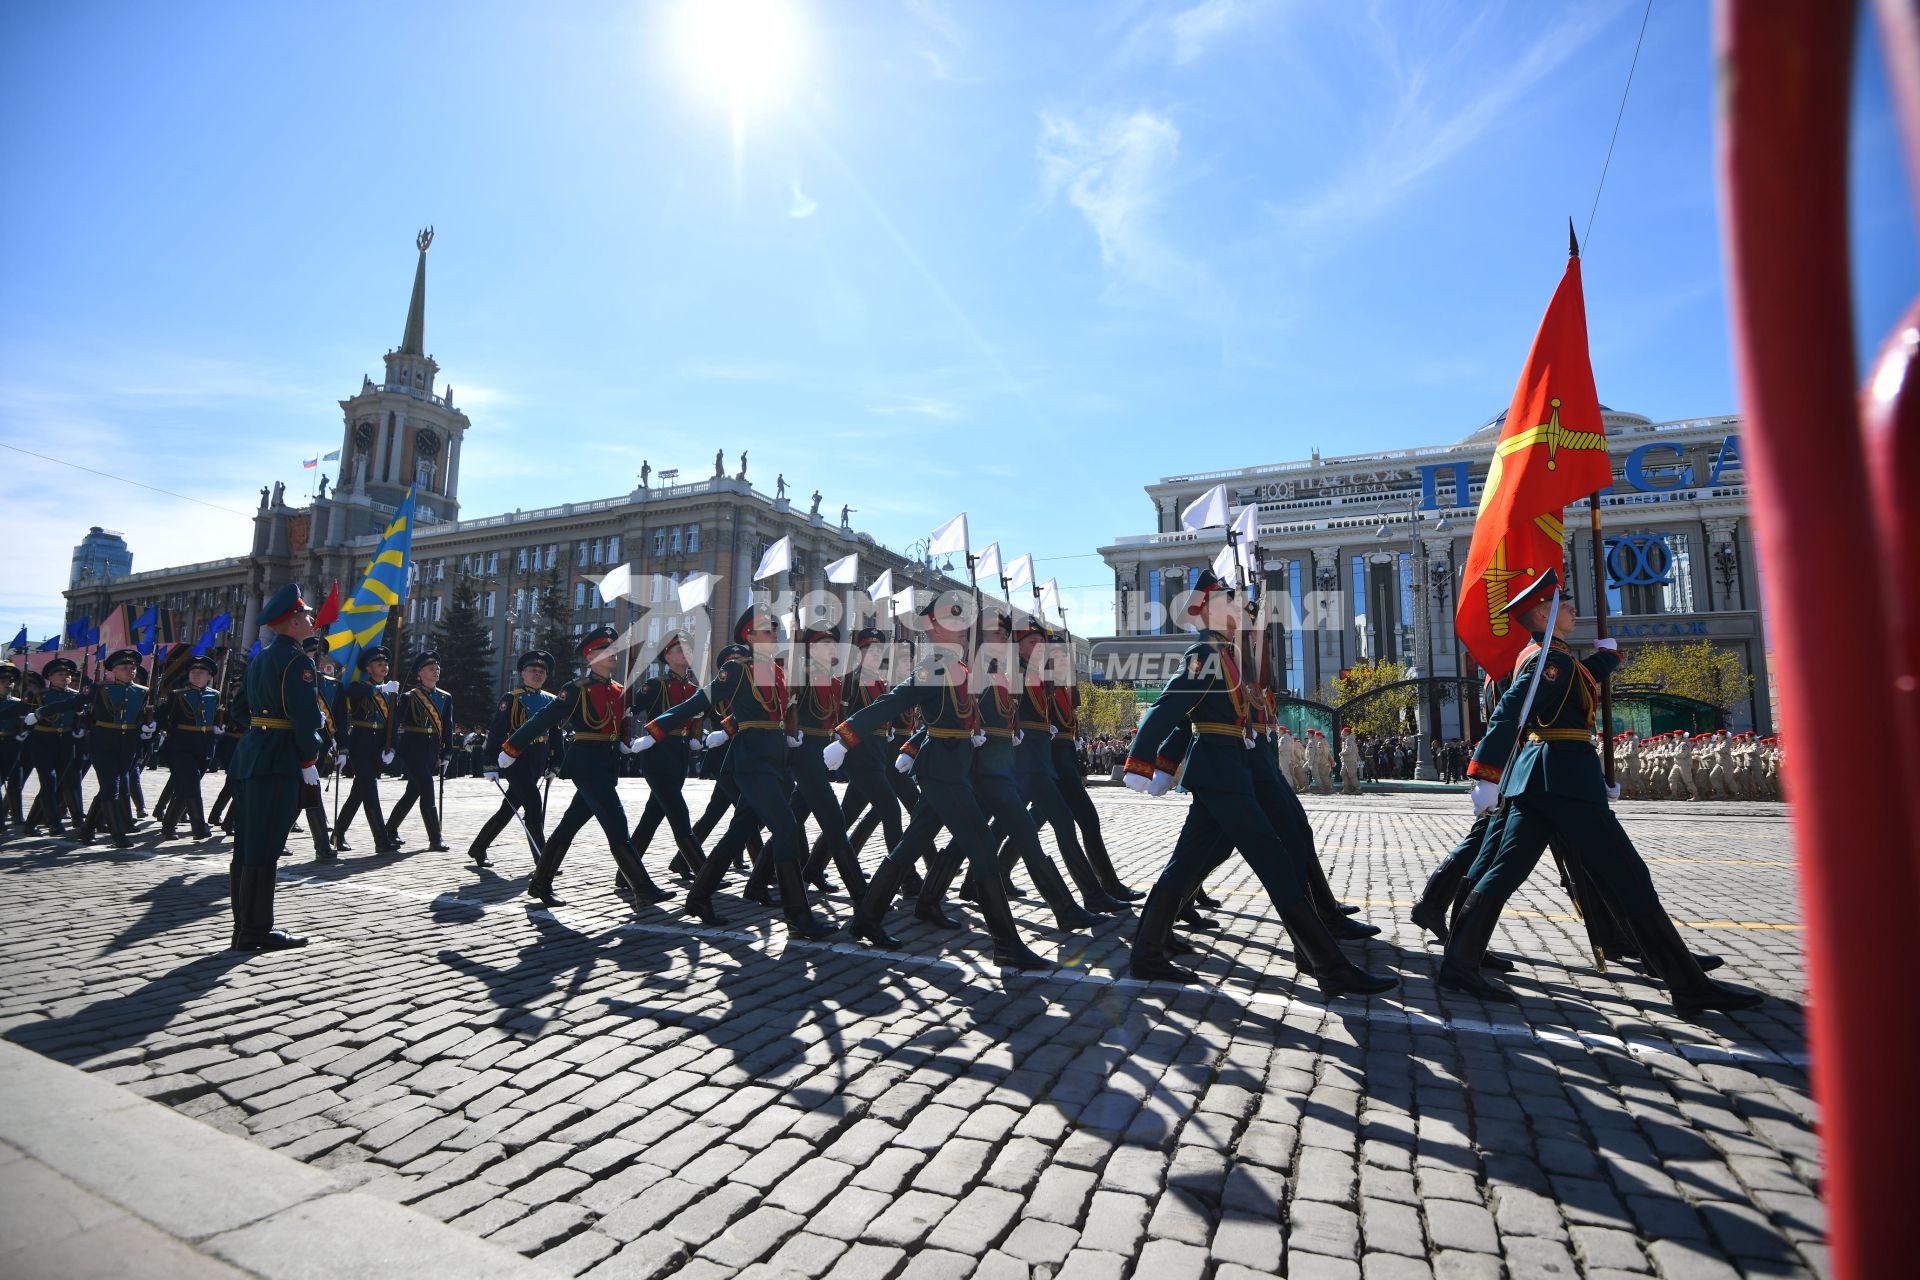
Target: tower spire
414	341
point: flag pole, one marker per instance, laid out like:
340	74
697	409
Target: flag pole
1599	590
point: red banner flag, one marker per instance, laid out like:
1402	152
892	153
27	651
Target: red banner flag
1552	451
329	610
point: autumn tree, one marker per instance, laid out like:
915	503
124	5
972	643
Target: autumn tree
1697	669
1108	710
1388	713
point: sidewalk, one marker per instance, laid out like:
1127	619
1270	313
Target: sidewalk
96	1182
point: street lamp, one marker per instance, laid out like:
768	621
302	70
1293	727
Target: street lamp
1417	583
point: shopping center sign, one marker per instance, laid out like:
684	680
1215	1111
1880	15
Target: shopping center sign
1657	467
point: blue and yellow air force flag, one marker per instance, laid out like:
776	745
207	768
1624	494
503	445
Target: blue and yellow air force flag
364	616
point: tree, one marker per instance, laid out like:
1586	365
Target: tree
1108	710
1697	669
465	642
1386	714
553	626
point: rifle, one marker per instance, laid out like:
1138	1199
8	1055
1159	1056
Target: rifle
534	844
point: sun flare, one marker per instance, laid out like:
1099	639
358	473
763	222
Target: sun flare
744	52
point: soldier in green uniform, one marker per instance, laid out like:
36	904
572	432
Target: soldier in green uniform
13	731
233	722
1038	768
425	722
1554	789
755	689
188	717
594	706
665	767
116	716
275	759
1064	716
56	727
370	715
523	775
327	690
1212	698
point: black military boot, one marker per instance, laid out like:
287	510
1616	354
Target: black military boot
1151	960
634	872
929	903
1467	949
801	922
1430	913
869	918
267	938
488	832
1201	898
1692	990
1092	896
687	860
1337	975
700	892
1068	915
1342	926
1009	952
1096	847
540	885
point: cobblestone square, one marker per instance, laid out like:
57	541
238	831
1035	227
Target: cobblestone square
625	1094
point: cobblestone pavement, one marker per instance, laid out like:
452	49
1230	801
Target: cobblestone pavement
623	1094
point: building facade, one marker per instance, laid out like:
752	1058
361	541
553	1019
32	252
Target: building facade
406	430
1363	553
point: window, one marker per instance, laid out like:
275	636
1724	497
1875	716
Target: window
693	537
423	474
523	560
579	555
599	550
493	564
1296	636
613	549
659	542
553	554
579	595
437	605
439	570
673	540
486	605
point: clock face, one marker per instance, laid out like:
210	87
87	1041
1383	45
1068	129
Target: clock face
426	445
363	436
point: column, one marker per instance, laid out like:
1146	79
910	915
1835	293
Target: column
1722	541
1327	616
450	487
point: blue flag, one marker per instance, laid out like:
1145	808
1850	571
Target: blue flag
50	645
20	641
363	616
77	630
145	622
253	652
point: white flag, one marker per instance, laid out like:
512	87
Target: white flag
1020	572
845	571
617	584
778	559
950	537
989	564
1050	598
1209	510
882	586
1223	565
903	601
1246	531
696	591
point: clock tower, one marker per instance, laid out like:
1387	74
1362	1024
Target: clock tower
402	431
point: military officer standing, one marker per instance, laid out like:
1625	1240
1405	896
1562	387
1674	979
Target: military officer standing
425	723
524	774
273	762
370	716
1554	789
594	707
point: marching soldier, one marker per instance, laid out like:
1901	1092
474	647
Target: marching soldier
666	766
938	688
868	785
234	728
327	690
1554	789
594	707
275	759
189	717
370	716
815	710
56	729
1211	697
1063	733
755	689
116	717
425	723
524	774
1039	770
13	731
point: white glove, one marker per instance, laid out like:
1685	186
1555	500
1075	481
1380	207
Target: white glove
146	731
889	733
391	686
386	757
637	745
1018	737
1248	740
697	745
718	738
340	761
505	761
1613	792
31	720
903	763
979	739
1135	782
1485	796
310	776
1608	643
795	739
834	754
491	776
1161	783
1053	731
79	732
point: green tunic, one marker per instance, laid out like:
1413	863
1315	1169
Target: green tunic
283	738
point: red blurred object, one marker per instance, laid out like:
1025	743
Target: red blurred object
1785	71
330	610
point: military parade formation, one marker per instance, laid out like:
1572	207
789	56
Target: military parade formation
955	744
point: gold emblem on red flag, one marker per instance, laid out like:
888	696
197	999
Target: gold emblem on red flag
1553	435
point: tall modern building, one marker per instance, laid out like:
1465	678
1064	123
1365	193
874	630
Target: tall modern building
1364	552
100	556
405	430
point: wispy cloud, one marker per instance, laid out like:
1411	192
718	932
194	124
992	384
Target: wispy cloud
921	407
1430	120
1195	30
803	205
949	40
1115	169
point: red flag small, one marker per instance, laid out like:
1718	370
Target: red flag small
330	610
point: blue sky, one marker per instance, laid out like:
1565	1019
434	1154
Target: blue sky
1016	258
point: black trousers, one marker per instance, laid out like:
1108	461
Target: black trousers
53	764
185	769
813	796
365	793
665	768
422	774
1220	822
869	769
1590	835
